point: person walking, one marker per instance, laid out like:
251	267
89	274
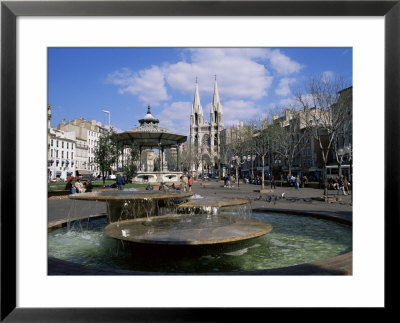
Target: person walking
297	182
190	182
346	185
273	182
185	182
120	182
228	181
341	186
304	181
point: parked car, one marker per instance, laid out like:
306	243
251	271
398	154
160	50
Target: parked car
112	176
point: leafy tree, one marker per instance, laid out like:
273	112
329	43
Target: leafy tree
130	163
106	153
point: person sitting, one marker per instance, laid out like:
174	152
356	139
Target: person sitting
69	186
89	186
79	186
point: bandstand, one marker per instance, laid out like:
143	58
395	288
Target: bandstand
149	137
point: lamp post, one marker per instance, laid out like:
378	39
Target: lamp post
109	118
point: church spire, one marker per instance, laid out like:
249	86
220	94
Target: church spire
196	108
216	94
216	107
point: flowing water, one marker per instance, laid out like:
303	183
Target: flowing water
293	240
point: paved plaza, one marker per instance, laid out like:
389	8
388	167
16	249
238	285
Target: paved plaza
302	200
280	199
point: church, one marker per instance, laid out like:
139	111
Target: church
205	136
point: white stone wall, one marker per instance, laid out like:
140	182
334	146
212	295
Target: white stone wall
61	154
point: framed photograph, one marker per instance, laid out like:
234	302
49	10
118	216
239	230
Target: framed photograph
164	37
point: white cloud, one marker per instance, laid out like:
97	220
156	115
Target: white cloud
327	76
239	110
283	88
243	77
293	103
147	84
283	64
238	74
176	117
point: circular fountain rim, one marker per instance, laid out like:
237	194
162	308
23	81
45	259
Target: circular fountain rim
129	195
256	227
214	202
338	265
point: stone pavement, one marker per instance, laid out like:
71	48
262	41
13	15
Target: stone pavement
304	200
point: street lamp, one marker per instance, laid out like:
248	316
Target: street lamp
109	122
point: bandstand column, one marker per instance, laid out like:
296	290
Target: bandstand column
177	157
140	158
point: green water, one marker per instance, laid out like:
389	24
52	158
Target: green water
293	240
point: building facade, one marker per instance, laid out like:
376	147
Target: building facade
205	136
61	151
87	134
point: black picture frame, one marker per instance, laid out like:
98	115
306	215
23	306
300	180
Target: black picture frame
10	10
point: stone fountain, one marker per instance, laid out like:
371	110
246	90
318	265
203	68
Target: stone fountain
154	219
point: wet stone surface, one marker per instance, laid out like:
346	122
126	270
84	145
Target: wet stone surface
179	229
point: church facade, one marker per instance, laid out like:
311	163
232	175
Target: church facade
205	136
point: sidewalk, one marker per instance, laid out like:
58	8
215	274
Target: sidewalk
301	200
293	200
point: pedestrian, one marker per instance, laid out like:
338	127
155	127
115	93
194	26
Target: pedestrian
79	186
120	182
185	182
304	181
281	179
293	180
190	182
346	185
341	186
89	186
273	182
69	186
297	179
228	181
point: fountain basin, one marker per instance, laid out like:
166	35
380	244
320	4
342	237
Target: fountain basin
186	229
295	244
124	205
214	202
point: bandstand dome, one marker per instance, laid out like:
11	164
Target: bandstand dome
150	134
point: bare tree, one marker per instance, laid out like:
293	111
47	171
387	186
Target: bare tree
260	140
343	139
195	154
234	147
324	113
290	135
185	158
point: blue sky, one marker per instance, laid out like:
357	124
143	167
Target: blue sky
252	81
